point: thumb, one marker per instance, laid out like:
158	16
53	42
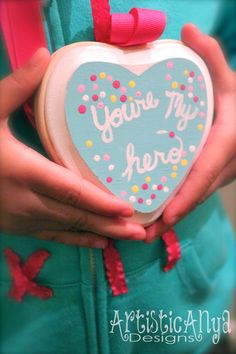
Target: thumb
16	88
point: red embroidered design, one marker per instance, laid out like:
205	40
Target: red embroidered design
114	270
23	275
172	248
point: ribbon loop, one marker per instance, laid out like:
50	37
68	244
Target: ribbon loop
139	26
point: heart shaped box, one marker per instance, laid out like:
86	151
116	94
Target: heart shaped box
130	120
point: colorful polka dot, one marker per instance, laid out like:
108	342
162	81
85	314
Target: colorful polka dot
132	84
190	80
190	94
109	179
123	98
199	78
140	200
89	143
184	162
174	85
200	126
195	98
93	77
97	158
95	86
94	97
113	98
185	72
190	88
85	98
81	88
183	153
130	98
192	148
100	105
135	189
182	87
166	189
202	114
123	89
102	75
202	87
159	187
170	64
132	199
106	157
82	109
154	187
168	77
191	74
202	103
116	84
153	196
148	179
173	175
148	201
145	186
102	94
138	93
164	179
123	193
171	134
111	167
109	77
175	168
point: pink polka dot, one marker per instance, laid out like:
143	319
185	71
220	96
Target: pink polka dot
145	186
81	88
123	89
93	77
153	196
106	157
95	87
123	193
109	78
163	179
202	114
168	77
138	93
202	86
190	88
140	200
182	87
82	109
116	84
171	134
191	74
183	153
123	98
100	105
195	98
199	79
109	179
94	97
170	64
160	187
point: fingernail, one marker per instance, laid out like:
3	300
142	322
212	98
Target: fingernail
127	211
173	219
137	232
38	55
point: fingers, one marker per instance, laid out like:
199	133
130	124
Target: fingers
62	185
156	230
69	218
203	174
81	239
210	51
19	86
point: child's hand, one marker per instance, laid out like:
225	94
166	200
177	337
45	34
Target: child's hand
43	199
216	165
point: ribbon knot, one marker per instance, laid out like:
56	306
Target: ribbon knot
139	26
23	275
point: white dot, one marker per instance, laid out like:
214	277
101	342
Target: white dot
202	103
166	189
190	80
132	199
148	202
192	148
102	94
154	186
97	158
190	94
111	167
85	98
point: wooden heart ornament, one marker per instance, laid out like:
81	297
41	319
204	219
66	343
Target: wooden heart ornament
132	121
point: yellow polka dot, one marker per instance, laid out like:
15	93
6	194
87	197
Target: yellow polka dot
174	84
135	189
185	72
132	84
89	143
200	126
102	75
130	98
148	179
184	162
113	98
175	168
173	174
